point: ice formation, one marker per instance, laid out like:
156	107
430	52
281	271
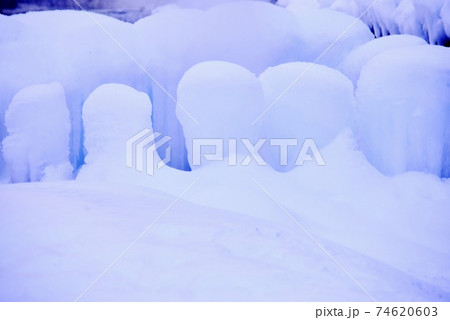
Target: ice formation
354	62
330	35
318	106
112	114
428	19
38	125
403	116
225	99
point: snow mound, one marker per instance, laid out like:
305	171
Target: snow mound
354	62
317	106
68	47
224	98
37	147
255	35
112	114
403	99
330	35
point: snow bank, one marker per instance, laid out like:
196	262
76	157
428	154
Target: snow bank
112	114
403	116
354	62
330	35
37	146
390	212
318	106
225	99
233	255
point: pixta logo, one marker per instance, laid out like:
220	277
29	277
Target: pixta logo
142	151
308	151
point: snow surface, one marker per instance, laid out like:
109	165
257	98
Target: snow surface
396	248
403	99
38	149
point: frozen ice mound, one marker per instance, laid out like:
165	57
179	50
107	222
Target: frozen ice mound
112	114
224	99
329	36
317	106
354	62
38	125
403	115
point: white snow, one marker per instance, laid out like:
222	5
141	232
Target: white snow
396	248
355	61
318	106
156	4
445	14
423	18
297	6
76	53
224	99
14	27
255	35
403	99
330	35
112	114
37	145
77	86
